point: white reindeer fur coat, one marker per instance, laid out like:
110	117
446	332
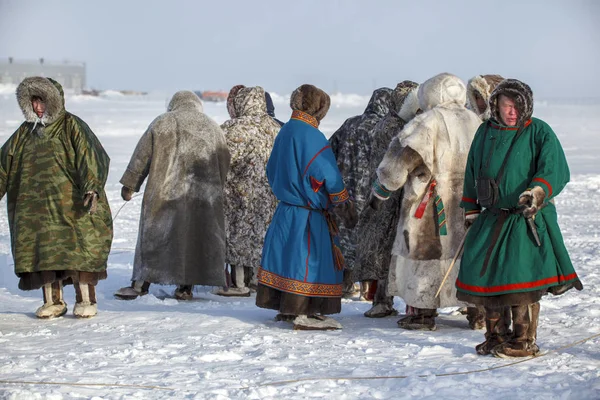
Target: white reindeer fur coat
434	145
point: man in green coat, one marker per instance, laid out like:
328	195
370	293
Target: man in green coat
53	170
514	251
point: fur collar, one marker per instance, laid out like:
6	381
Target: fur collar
484	85
185	99
49	91
442	89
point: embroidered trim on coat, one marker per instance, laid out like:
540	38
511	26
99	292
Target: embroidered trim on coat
340	197
304	117
297	287
517	287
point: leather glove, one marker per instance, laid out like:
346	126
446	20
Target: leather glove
470	219
347	211
90	201
126	193
375	202
532	200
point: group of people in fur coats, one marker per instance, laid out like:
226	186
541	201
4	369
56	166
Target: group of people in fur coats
426	171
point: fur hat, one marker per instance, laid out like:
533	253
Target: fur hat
484	85
442	89
230	97
405	102
520	93
311	100
185	99
47	89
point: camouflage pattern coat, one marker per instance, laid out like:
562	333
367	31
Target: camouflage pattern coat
351	145
377	229
181	239
46	167
249	202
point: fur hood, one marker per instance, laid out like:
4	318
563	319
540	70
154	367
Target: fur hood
522	95
185	99
230	97
380	102
442	89
250	101
311	100
405	101
484	85
51	93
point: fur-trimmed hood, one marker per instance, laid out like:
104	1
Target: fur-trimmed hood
405	101
184	99
484	85
380	102
442	89
522	95
311	100
51	93
230	97
250	101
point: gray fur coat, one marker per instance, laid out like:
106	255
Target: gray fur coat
181	239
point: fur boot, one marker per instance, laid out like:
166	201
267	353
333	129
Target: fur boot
316	323
184	292
495	330
476	317
419	319
239	288
137	288
54	305
522	342
85	307
367	290
383	304
349	288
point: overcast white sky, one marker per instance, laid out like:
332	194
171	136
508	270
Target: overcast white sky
351	46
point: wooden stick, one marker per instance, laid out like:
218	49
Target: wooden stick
460	248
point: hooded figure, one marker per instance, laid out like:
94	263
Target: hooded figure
53	170
249	202
514	251
181	239
351	145
377	228
230	97
301	267
479	89
271	109
427	160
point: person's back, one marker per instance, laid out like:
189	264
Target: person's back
181	239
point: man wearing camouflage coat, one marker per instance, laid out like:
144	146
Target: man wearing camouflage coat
53	170
181	239
377	228
249	202
351	145
514	251
427	160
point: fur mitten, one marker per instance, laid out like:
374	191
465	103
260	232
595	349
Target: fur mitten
126	193
532	200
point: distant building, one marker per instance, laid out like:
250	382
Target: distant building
71	75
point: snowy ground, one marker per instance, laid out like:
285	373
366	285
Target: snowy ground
219	348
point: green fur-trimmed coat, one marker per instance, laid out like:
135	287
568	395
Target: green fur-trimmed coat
46	167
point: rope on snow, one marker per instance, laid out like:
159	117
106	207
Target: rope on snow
124	204
281	383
